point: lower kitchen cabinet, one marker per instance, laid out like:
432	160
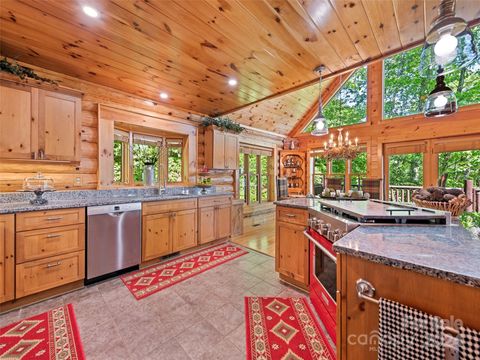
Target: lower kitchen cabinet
172	229
35	276
223	221
292	251
184	230
214	219
7	259
156	236
206	225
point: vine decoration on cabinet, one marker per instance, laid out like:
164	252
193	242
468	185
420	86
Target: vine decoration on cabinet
22	72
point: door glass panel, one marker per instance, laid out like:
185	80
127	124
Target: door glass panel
252	164
405	176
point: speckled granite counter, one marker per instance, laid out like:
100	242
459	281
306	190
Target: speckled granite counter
19	202
448	252
299	203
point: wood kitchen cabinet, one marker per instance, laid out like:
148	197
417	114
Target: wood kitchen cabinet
50	250
38	124
291	246
221	149
215	219
168	227
7	259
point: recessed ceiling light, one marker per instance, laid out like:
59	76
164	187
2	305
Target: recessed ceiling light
90	11
232	82
163	95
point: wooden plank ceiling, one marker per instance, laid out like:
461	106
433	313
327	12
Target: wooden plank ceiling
190	48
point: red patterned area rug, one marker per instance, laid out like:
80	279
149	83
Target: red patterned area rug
148	281
52	335
284	329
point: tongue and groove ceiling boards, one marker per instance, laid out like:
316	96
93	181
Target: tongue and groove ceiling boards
190	48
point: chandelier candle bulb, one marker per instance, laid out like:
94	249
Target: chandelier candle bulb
356	141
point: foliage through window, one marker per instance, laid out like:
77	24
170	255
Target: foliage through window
460	166
319	171
349	105
255	180
405	91
406	169
174	160
358	170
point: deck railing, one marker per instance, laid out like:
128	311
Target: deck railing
400	193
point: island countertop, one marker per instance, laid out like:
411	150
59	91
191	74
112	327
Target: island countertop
448	252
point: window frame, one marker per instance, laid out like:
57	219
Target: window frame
246	176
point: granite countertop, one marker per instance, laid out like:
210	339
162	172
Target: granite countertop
448	252
299	203
15	202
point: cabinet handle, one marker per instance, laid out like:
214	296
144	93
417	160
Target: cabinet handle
290	215
51	236
53	264
53	218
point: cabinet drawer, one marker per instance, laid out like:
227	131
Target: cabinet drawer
292	215
214	201
158	207
36	276
46	219
39	244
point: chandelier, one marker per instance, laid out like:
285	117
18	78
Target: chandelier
342	148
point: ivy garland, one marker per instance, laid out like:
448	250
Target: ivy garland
22	72
223	123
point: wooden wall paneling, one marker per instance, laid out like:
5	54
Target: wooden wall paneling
382	19
326	21
410	17
354	18
105	153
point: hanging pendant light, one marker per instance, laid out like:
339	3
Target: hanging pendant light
441	101
320	126
449	43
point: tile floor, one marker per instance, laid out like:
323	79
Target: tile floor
200	318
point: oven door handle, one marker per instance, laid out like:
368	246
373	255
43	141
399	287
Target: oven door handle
320	246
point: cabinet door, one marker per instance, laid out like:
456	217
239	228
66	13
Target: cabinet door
223	221
184	230
218	150
206	225
156	237
291	251
59	126
231	151
7	259
17	122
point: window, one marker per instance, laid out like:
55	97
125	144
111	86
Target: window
349	105
255	179
405	91
133	151
338	167
358	170
174	160
319	171
459	166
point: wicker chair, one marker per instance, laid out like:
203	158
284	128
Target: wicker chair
373	187
336	183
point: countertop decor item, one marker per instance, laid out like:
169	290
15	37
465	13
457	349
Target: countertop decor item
452	200
39	185
223	123
22	72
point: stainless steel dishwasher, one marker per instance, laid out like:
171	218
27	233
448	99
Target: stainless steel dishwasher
114	238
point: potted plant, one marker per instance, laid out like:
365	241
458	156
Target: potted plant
149	170
471	222
223	123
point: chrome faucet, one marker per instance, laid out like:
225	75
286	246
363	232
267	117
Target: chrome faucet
162	176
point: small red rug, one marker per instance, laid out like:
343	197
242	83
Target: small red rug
52	335
284	328
148	281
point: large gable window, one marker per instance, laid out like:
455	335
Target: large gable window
405	91
349	105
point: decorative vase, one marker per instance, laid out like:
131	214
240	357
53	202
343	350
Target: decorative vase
149	175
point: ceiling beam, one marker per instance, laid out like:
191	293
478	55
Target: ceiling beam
327	94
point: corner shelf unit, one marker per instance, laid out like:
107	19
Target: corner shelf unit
293	167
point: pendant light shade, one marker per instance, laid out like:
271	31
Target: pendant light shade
449	43
320	126
441	101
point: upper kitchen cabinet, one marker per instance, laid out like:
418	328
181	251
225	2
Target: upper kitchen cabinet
38	124
59	123
18	120
221	149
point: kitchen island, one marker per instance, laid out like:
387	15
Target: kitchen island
432	267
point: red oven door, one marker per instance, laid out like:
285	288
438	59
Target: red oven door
323	280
